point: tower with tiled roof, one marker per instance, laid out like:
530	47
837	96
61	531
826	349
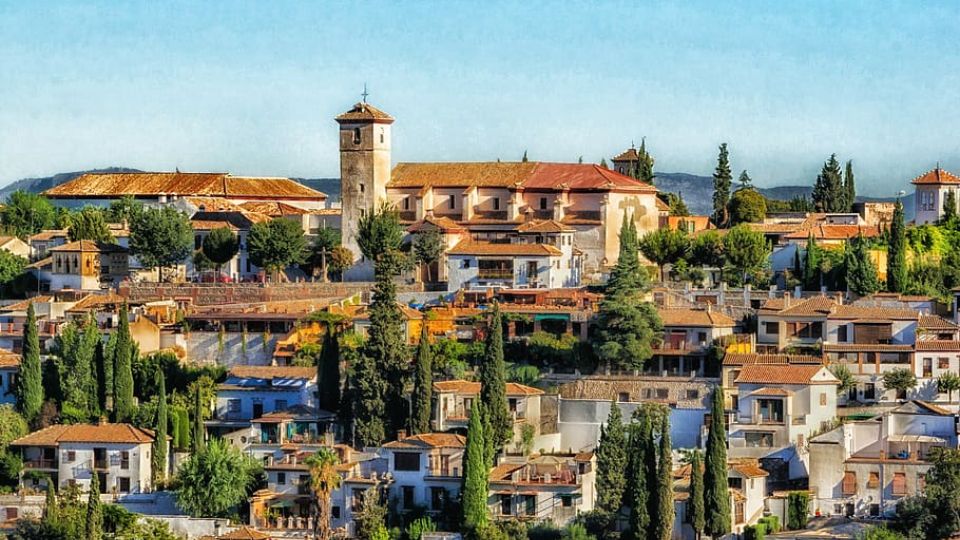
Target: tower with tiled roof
364	170
931	190
626	163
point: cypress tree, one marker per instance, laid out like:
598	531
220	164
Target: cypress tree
650	468
493	385
106	379
638	489
797	267
159	455
612	462
627	275
475	474
861	273
51	510
744	180
716	494
94	521
328	372
30	381
811	265
949	209
603	163
829	194
896	252
198	431
123	369
722	181
644	170
695	511
183	424
849	186
175	429
422	384
663	526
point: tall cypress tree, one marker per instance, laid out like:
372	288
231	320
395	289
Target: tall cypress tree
422	384
651	425
612	462
663	526
897	252
627	275
849	186
722	182
183	424
829	194
475	474
30	381
695	511
51	508
199	439
811	265
644	171
861	274
106	376
949	209
94	521
123	369
639	488
716	491
159	456
493	384
328	372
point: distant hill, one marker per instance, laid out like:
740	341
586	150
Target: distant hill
330	186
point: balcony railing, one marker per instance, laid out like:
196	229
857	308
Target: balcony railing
495	274
100	463
40	464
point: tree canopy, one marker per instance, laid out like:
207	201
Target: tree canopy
215	479
27	213
161	237
220	246
89	224
276	244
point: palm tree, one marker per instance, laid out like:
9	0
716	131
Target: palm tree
324	478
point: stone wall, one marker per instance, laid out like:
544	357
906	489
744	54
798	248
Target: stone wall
208	294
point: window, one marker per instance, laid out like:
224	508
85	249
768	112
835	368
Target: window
452	201
465	263
899	487
701	337
123	484
506	505
926	201
356	135
496	203
71	456
771	328
530	505
943	363
197	241
512	404
823	400
770	410
335	512
849	486
406	203
280	405
381	136
437	497
758	439
406	461
692	393
124	460
233	405
623	396
408	500
566	501
842	333
356	499
543	203
873	481
281	478
928	367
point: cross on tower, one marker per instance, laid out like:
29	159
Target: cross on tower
365	93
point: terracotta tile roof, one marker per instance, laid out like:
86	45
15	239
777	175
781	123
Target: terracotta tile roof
93	301
825	231
473	388
938	346
662	206
747	467
789	374
42	263
213	204
630	154
936	176
43	236
467	247
747	359
155	184
441	223
528	175
23	305
543	226
82	433
273	372
584	176
504	470
765	391
694	317
810	307
872	347
244	533
364	112
936	322
273	208
242	220
9	359
88	246
430	440
874	313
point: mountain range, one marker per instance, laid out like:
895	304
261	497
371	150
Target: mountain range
697	191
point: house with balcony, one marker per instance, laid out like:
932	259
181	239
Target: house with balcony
792	323
777	411
249	392
545	487
557	311
426	471
299	427
453	401
748	493
119	454
688	335
519	261
863	468
733	363
931	359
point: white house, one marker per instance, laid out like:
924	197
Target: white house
454	399
427	470
551	264
70	454
748	493
930	192
548	487
251	391
9	370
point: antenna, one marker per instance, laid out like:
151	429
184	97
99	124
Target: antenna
365	93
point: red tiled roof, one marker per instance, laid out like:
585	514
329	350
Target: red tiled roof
789	374
747	359
826	231
630	154
507	250
89	246
82	433
694	317
936	176
364	112
543	226
936	322
155	184
430	440
584	176
810	307
529	175
473	388
938	346
272	372
245	533
441	223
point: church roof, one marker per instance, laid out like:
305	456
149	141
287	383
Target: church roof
533	175
365	112
155	184
936	176
630	154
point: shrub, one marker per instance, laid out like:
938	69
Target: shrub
755	532
798	509
772	523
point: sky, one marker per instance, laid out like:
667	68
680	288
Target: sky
252	87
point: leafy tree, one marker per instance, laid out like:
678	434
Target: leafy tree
324	479
829	194
475	473
880	532
493	386
798	510
948	382
612	462
842	372
695	504
27	213
427	248
276	244
897	279
664	246
11	268
124	210
94	522
89	224
220	246
745	250
422	384
627	326
30	380
215	479
707	249
161	237
747	206
861	272
341	258
123	357
849	186
722	180
328	371
419	527
663	524
159	454
716	497
900	379
371	520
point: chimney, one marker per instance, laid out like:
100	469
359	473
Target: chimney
786	300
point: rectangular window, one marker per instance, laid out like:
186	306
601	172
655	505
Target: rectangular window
406	461
124	460
823	400
437	497
842	333
123	484
530	505
406	203
899	487
408	500
233	405
849	486
496	203
281	478
943	363
758	439
335	512
873	481
623	397
452	202
543	203
71	456
506	505
566	501
280	405
927	367
693	393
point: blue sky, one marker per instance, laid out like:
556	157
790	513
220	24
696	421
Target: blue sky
252	87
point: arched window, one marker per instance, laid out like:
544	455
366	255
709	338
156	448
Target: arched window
356	135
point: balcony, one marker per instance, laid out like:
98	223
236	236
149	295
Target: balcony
495	273
40	464
100	464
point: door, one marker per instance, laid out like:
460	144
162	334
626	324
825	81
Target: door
257	409
532	271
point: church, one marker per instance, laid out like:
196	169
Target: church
513	224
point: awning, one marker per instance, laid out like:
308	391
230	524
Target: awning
916	439
282	503
551	317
